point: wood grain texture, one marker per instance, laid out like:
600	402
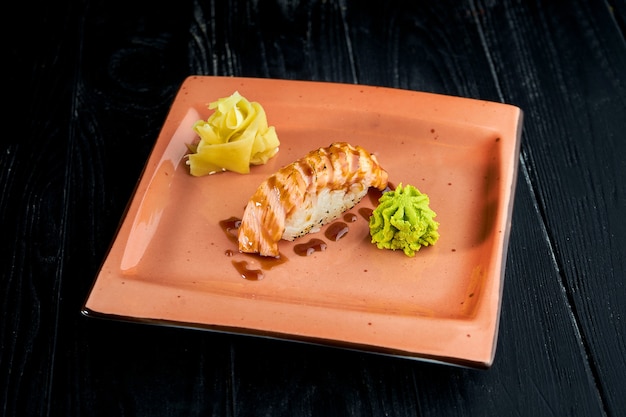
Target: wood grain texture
92	96
574	159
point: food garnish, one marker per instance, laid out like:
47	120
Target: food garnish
403	220
234	137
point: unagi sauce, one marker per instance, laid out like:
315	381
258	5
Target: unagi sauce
366	213
350	217
310	247
230	227
249	274
336	231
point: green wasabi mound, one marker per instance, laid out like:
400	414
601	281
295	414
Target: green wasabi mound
404	221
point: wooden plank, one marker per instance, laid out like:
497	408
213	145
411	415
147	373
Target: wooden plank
561	349
574	95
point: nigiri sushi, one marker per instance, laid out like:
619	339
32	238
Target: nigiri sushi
305	195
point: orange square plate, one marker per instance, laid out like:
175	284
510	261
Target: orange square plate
173	263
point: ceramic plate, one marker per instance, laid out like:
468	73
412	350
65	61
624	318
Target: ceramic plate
174	263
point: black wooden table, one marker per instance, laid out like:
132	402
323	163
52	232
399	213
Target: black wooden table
90	84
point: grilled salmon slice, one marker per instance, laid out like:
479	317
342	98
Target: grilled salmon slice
305	195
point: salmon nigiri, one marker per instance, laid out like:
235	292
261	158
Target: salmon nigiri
305	195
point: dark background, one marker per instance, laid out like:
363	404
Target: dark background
89	85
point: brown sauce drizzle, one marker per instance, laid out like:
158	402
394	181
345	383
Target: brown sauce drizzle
366	213
249	274
374	194
336	231
310	247
230	227
350	217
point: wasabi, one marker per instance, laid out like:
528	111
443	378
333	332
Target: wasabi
403	220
